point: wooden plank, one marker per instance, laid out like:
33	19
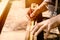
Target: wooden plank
3	5
4	9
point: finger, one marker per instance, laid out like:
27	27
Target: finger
48	31
36	27
32	15
31	18
49	28
40	29
28	17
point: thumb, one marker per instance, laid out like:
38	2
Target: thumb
32	15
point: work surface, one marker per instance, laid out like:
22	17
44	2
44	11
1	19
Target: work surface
13	29
15	24
13	35
16	17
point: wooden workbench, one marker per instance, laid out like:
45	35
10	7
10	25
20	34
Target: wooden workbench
16	19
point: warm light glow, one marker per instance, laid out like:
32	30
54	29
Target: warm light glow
3	4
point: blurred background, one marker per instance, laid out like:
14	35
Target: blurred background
10	12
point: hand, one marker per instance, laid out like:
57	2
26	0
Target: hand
32	14
49	24
29	13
